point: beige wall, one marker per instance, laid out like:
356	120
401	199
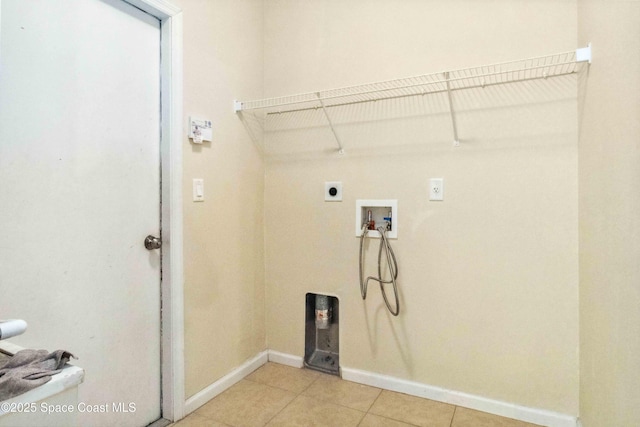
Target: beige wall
489	277
609	174
223	236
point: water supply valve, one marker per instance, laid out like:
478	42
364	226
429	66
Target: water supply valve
373	214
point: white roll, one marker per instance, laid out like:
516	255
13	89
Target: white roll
11	328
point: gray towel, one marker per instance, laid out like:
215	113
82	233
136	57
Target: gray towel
28	369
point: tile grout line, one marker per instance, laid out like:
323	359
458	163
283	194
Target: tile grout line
265	385
368	411
275	386
374	400
345	406
320	375
364	414
294	398
278	413
387	417
311	383
455	408
284	407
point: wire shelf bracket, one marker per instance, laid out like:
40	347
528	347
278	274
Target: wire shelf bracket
333	130
584	54
541	67
456	141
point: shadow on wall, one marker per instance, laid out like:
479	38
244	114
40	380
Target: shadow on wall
398	330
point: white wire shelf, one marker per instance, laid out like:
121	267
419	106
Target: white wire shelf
541	67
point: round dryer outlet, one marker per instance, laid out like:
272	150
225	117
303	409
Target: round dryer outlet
333	191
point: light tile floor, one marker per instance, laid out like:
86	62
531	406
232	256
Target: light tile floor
278	395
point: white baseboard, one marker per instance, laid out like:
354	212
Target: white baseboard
510	410
286	359
505	409
208	393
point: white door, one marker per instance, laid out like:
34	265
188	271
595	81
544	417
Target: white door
79	192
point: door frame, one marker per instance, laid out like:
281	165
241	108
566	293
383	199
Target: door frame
172	311
172	285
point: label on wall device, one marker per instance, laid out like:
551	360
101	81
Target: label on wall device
200	130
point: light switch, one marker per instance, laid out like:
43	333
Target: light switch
198	190
436	189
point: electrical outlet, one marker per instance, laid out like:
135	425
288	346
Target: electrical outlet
436	189
332	191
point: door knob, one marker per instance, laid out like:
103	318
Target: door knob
152	242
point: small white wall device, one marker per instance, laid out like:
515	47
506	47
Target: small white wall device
198	190
200	130
333	191
436	189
